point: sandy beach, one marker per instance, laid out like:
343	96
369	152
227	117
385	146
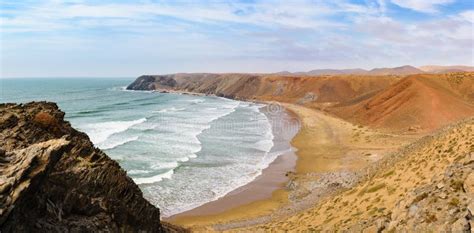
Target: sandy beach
269	192
327	151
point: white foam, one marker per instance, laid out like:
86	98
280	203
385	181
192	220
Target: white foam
99	132
110	144
154	179
138	172
172	109
162	165
264	145
196	101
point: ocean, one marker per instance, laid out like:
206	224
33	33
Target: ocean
182	150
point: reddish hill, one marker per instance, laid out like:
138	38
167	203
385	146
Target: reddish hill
421	102
418	102
402	70
310	91
446	69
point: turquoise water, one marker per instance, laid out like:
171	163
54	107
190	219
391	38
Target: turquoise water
182	150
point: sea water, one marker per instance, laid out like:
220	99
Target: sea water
182	150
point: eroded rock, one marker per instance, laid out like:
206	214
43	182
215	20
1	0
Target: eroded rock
54	180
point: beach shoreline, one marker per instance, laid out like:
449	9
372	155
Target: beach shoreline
329	158
273	179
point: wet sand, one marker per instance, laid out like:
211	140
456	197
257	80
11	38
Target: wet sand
270	185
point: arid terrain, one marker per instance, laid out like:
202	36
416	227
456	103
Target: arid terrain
375	152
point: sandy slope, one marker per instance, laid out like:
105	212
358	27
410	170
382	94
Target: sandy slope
424	187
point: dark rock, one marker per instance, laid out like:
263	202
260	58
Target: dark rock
54	179
152	82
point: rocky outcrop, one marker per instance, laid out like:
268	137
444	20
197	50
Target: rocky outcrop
149	82
52	179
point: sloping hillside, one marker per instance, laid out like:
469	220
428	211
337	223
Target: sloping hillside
304	90
402	70
446	69
427	186
417	103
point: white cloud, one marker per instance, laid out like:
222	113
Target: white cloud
468	16
218	37
428	6
299	14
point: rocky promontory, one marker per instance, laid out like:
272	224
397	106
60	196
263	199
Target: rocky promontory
53	179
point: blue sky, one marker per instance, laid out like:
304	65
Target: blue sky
130	38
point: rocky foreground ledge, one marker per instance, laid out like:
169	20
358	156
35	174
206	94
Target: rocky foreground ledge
53	179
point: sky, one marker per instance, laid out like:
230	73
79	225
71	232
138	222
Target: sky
125	38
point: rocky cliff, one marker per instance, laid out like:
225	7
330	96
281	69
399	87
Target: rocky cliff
52	179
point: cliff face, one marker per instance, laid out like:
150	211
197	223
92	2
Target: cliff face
52	179
306	90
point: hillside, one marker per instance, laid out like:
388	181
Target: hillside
402	70
416	103
424	187
398	71
305	90
446	69
336	71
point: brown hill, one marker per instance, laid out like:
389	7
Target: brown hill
305	90
399	71
336	71
423	102
446	69
402	70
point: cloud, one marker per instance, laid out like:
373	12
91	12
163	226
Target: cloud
468	16
301	14
257	36
427	6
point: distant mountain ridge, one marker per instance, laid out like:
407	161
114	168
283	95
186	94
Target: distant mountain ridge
401	70
446	69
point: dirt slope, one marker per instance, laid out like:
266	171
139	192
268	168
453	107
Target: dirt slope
425	187
418	103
